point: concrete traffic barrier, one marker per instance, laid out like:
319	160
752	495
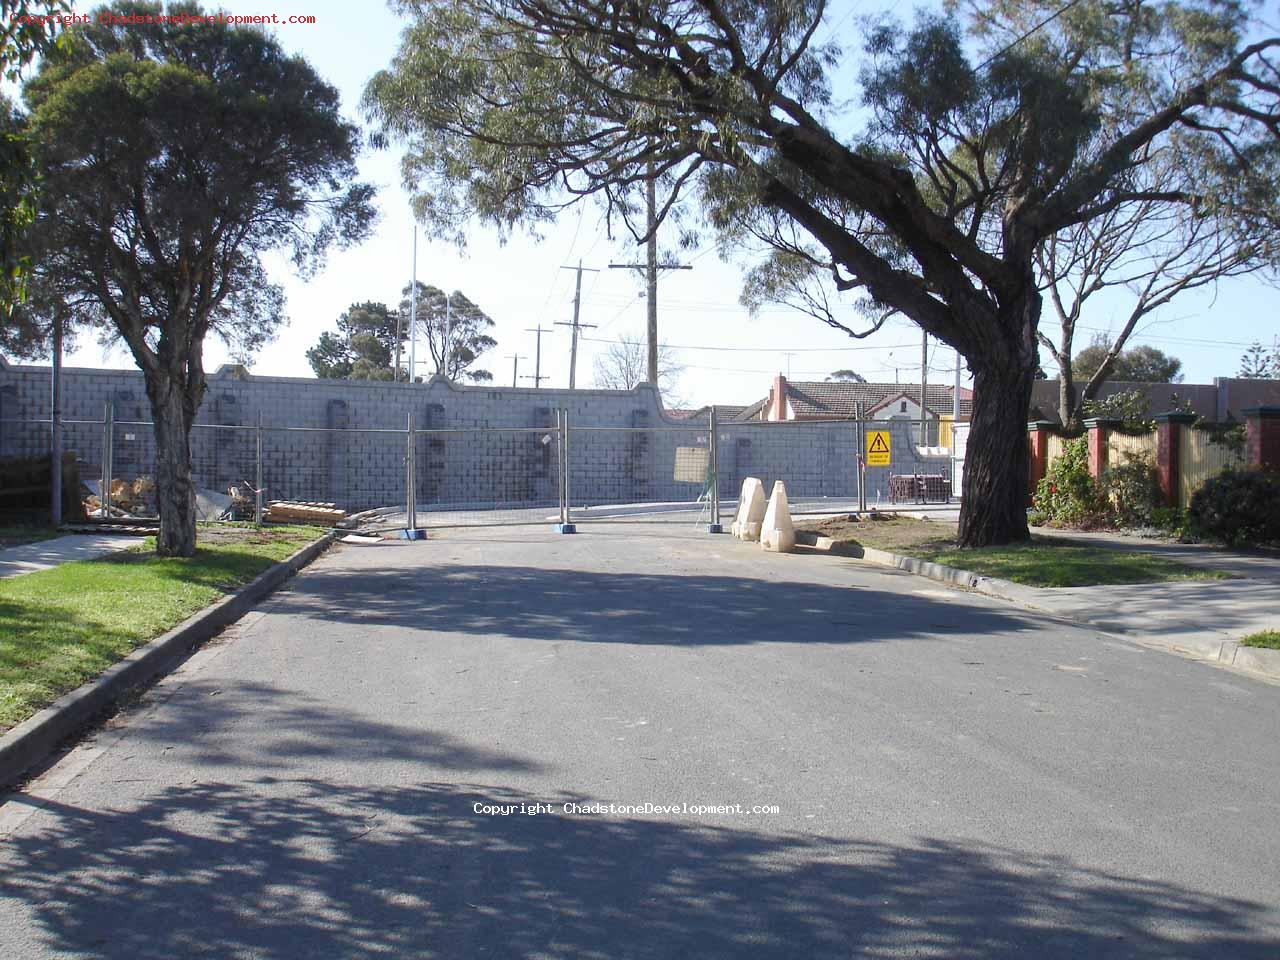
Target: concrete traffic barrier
751	505
776	532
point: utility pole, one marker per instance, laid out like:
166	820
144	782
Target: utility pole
924	382
955	398
515	368
651	266
537	377
577	306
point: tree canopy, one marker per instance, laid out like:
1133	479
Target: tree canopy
1141	364
454	330
929	196
364	347
27	30
172	157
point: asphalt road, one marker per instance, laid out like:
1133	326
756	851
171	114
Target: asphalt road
952	777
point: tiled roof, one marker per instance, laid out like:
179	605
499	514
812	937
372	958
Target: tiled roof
724	411
843	398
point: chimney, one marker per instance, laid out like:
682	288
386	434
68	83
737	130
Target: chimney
778	408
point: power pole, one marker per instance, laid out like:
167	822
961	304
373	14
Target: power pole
955	399
577	306
537	377
651	266
515	368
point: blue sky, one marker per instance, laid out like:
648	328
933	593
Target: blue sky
729	356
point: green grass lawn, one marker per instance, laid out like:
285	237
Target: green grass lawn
1044	562
61	627
1270	639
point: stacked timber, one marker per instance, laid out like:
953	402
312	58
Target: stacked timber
299	511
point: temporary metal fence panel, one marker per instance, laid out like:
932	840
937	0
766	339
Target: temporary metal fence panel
557	472
826	467
640	473
488	475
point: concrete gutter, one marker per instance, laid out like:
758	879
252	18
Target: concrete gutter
36	737
1229	653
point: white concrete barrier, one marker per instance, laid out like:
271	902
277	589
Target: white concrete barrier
776	532
751	506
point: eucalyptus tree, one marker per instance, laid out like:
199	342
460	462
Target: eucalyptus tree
173	157
931	201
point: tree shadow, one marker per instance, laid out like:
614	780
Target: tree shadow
595	607
240	723
304	868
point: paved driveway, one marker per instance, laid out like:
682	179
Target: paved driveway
952	777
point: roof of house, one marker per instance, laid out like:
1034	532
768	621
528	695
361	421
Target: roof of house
725	412
843	398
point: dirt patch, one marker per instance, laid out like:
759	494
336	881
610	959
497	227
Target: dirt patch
884	532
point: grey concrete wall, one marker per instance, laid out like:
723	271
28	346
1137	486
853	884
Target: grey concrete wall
1221	400
489	450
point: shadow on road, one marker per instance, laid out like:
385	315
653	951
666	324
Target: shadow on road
683	609
301	868
273	728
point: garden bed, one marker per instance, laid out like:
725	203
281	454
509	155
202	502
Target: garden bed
1042	562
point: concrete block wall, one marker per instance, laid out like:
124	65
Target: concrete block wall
491	450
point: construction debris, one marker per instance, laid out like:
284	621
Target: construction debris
286	511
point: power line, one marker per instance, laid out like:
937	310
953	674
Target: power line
1043	23
688	346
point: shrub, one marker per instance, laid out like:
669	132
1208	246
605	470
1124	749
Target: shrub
1067	495
1170	520
1238	507
1132	489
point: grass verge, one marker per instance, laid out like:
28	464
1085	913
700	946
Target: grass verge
17	535
61	627
1268	639
1044	562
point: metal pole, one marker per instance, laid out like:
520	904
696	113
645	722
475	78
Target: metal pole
55	430
564	426
448	331
862	462
515	371
411	480
924	381
108	433
413	310
651	271
715	473
559	465
257	480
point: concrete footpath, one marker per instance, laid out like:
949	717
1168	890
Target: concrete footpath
31	557
1200	618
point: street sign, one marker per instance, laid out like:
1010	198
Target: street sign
879	452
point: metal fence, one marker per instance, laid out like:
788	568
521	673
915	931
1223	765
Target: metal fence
445	475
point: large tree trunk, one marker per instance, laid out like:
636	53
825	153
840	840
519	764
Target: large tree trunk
175	491
997	457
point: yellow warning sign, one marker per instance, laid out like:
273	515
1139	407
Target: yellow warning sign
879	453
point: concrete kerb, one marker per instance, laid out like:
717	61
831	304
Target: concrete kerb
1229	653
35	738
